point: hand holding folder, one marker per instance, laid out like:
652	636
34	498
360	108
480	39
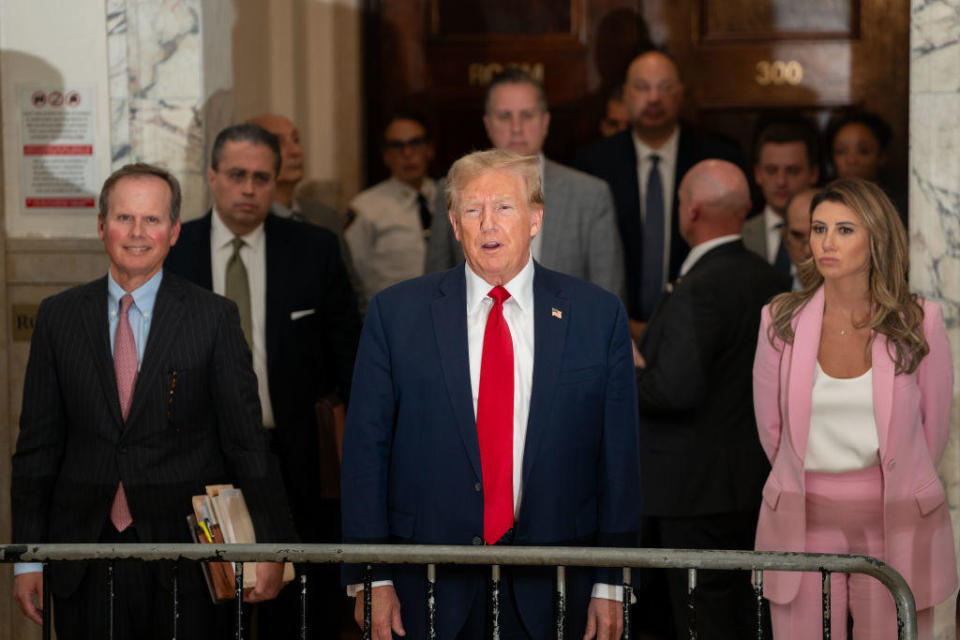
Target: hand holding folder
221	516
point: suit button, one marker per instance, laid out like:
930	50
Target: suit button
477	541
478	487
891	465
123	450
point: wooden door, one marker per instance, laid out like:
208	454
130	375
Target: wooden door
738	59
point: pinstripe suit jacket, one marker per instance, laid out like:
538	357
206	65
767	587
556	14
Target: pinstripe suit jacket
194	420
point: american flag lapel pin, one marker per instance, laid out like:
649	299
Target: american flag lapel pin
556	313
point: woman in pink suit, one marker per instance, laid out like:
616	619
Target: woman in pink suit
853	382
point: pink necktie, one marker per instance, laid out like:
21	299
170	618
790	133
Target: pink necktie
125	367
495	421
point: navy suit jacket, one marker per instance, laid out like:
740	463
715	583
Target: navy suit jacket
615	160
411	460
307	355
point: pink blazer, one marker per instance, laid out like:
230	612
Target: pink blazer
913	418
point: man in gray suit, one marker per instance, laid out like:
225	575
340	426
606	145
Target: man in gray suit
579	236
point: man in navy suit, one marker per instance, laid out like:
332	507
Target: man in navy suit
643	166
494	404
300	319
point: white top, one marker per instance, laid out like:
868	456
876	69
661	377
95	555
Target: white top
667	167
843	429
253	253
386	237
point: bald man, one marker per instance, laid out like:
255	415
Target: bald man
285	204
795	233
702	466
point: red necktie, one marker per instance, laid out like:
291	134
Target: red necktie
125	368
495	421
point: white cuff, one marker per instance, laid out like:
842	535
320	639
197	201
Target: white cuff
354	589
611	592
27	567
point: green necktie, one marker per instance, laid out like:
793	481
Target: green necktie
238	289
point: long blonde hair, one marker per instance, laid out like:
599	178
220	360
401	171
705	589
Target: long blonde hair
896	312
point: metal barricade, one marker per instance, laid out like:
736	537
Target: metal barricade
435	556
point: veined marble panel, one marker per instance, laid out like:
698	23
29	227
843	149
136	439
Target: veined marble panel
120	150
934	45
167	61
935	200
169	133
935	207
157	88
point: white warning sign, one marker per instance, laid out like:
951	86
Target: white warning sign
58	167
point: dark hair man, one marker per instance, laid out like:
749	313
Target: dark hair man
300	319
787	161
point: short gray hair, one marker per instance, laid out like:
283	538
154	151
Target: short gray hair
477	163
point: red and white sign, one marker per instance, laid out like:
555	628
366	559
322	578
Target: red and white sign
58	163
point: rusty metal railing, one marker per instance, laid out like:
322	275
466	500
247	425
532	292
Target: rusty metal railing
434	557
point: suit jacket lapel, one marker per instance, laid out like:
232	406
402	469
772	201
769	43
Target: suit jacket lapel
93	315
803	360
164	329
201	271
276	255
883	377
550	335
629	215
450	327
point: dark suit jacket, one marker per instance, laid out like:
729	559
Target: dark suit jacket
411	459
307	356
700	453
74	448
615	160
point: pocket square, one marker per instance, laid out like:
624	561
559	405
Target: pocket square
296	315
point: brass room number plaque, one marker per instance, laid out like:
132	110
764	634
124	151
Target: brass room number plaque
778	72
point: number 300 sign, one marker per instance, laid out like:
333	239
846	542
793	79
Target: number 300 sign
777	72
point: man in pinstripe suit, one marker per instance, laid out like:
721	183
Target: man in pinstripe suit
139	391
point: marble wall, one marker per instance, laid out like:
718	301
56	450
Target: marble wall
166	92
935	201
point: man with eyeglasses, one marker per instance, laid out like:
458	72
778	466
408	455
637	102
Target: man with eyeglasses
579	235
299	317
643	166
391	220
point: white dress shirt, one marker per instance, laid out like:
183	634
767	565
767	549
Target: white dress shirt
772	224
668	168
254	256
518	313
386	237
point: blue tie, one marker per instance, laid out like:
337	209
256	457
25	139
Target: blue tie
782	261
653	226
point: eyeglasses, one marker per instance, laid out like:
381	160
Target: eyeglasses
414	144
